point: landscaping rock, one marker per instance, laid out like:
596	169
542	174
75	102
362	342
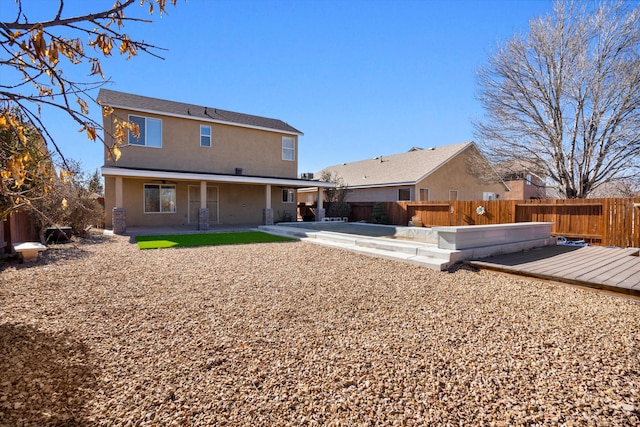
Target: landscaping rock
98	332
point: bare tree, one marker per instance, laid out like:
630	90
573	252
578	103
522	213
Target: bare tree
336	196
565	97
620	188
33	57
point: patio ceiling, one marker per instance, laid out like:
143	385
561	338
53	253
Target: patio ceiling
195	176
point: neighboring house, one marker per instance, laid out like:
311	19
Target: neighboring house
523	180
453	172
197	165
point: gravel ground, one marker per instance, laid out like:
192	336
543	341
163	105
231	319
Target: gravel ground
100	333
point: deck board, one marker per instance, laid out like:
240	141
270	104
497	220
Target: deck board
605	273
599	267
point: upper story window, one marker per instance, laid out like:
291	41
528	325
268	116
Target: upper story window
205	136
150	131
288	148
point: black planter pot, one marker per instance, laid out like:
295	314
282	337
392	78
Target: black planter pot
58	234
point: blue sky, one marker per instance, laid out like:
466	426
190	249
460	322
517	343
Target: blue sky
359	78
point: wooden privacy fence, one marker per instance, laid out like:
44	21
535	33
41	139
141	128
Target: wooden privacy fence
18	227
606	222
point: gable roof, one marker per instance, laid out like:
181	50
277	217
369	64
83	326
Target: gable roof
140	103
398	169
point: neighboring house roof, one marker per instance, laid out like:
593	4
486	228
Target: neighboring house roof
398	169
139	103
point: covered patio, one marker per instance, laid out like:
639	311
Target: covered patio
199	201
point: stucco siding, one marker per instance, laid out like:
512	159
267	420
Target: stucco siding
378	194
521	190
455	175
517	190
237	204
256	152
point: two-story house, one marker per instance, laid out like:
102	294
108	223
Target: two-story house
525	180
198	165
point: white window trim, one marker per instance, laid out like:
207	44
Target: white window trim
291	195
145	132
209	136
144	204
289	149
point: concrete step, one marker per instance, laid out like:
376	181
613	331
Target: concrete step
417	253
434	263
293	232
384	244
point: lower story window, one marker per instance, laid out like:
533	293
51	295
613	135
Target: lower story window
404	194
159	198
288	195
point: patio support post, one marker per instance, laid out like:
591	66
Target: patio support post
118	215
268	211
203	212
320	203
119	192
203	194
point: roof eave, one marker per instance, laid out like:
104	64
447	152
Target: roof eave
197	176
378	185
202	119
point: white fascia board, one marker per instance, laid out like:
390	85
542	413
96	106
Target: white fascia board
192	176
392	184
202	119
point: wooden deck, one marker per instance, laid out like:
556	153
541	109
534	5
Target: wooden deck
612	269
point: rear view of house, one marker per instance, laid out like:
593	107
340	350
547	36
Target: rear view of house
198	165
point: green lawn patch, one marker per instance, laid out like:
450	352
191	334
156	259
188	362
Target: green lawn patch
209	239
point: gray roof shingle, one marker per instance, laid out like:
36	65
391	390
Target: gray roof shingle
161	106
403	168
